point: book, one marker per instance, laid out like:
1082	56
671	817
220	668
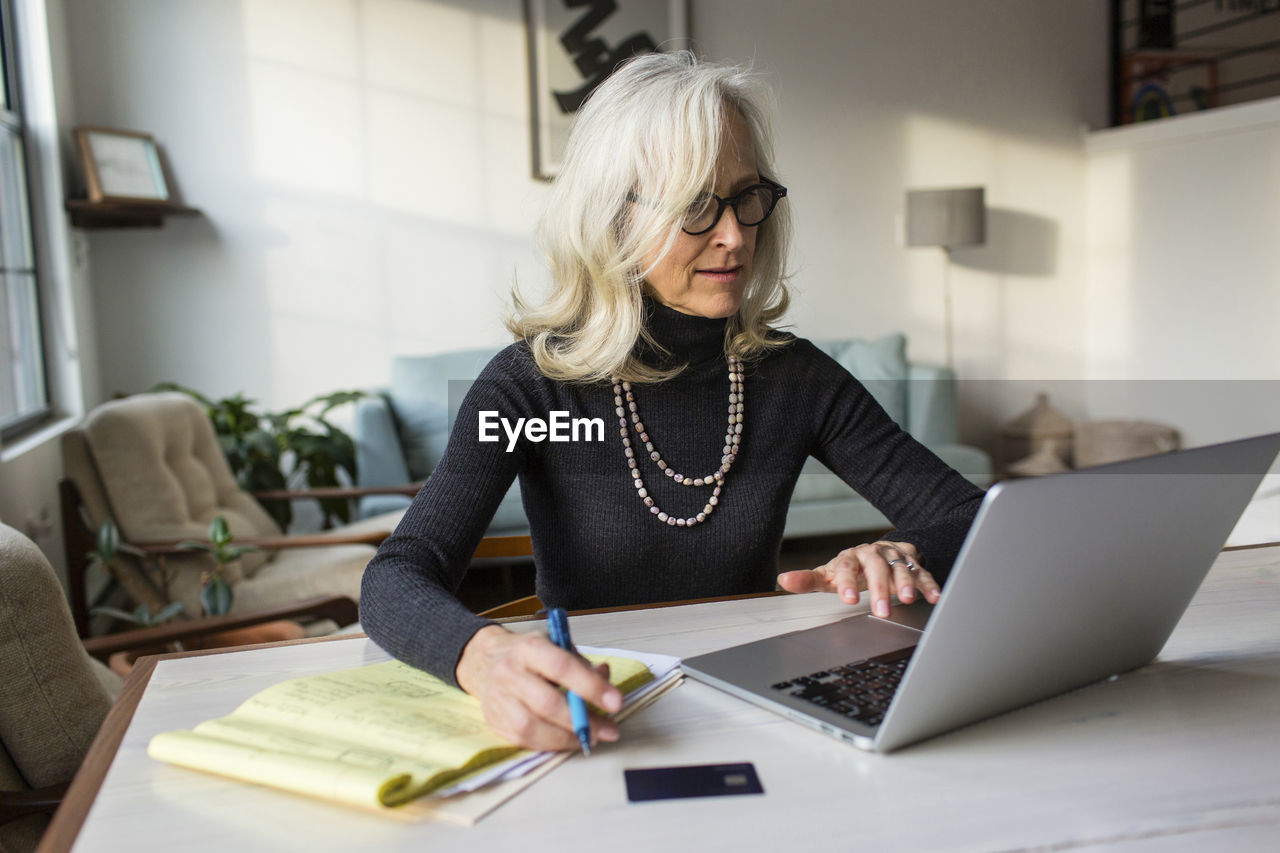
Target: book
381	735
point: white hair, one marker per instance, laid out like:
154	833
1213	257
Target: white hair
654	130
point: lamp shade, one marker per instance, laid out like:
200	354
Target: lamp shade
947	217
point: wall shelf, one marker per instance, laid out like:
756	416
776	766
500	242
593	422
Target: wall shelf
113	214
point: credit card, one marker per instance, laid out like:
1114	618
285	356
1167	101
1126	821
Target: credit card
699	780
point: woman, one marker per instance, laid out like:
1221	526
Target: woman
666	236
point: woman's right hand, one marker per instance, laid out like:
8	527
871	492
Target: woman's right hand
516	678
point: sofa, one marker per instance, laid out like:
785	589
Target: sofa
401	431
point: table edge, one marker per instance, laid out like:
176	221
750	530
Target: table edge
69	819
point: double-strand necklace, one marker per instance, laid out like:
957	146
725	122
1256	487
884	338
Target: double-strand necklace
625	401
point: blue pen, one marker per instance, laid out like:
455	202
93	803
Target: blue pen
558	625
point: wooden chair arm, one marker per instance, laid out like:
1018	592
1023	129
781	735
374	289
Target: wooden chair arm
530	605
336	607
318	492
273	543
504	546
16	804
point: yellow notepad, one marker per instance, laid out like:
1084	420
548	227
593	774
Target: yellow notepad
377	735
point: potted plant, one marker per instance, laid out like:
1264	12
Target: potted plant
267	450
216	597
215	592
105	556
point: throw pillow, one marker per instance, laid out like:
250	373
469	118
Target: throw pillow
880	365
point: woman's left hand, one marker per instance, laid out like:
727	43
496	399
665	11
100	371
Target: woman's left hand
878	567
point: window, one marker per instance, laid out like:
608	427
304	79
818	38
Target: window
23	391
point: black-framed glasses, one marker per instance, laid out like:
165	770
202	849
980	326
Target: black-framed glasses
751	207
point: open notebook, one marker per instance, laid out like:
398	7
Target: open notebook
383	735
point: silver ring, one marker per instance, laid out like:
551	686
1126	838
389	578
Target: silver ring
911	567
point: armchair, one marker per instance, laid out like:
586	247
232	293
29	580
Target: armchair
56	695
153	464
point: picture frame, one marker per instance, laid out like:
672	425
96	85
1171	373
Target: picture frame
1158	85
121	166
572	49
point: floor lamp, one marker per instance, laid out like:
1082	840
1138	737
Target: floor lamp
947	218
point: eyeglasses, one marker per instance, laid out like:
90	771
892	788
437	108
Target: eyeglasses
751	207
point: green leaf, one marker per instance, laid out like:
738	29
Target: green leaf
133	550
115	613
344	453
281	421
216	597
232	553
174	386
321	472
170	610
262	442
280	511
335	508
260	476
108	541
332	401
219	534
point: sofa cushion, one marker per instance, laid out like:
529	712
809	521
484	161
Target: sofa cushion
827	517
298	573
509	517
424	403
818	483
880	365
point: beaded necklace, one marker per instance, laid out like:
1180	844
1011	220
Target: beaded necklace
732	440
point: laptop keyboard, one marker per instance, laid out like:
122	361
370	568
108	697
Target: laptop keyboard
861	690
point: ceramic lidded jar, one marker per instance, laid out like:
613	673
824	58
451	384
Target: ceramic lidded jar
1038	441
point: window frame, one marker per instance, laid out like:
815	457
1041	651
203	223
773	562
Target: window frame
13	120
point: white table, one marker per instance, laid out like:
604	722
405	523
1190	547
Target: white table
1183	754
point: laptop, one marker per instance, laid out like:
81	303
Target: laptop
1063	580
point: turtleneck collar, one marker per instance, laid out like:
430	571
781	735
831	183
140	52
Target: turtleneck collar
690	339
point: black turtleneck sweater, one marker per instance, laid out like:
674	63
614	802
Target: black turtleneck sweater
595	543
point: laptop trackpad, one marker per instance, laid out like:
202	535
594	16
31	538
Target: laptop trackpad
775	659
915	615
855	638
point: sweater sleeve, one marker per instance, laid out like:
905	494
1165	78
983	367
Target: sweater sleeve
408	604
930	504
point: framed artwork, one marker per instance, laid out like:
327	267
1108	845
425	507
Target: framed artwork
574	45
121	166
1163	84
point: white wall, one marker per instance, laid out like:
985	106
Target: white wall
881	95
1184	276
1183	220
1184	280
363	170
